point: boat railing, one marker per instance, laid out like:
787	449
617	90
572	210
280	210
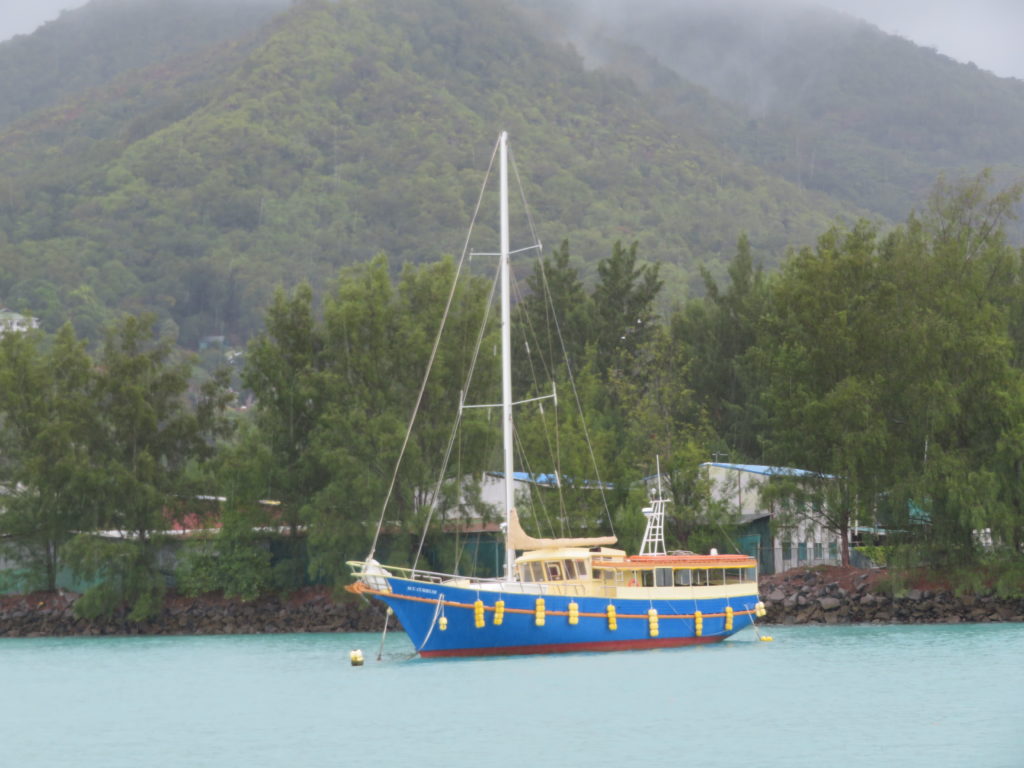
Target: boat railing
418	574
491	584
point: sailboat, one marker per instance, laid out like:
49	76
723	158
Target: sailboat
565	594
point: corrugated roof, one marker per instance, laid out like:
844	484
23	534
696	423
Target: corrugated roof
762	469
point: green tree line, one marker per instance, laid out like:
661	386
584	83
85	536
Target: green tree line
888	364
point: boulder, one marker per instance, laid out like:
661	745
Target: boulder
829	603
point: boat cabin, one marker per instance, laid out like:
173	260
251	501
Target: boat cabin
604	571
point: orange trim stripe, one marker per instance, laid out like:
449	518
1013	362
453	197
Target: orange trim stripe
360	588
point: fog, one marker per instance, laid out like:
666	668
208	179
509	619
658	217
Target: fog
986	32
983	31
21	17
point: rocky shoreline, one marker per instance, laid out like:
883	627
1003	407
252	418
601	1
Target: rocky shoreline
850	596
801	596
309	610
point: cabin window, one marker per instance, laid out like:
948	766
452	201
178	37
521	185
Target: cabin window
646	578
570	569
700	577
554	571
663	577
682	577
597	574
538	571
716	576
524	572
733	576
581	569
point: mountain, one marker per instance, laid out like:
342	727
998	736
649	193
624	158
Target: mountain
830	102
186	157
194	185
89	47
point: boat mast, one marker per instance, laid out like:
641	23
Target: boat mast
506	352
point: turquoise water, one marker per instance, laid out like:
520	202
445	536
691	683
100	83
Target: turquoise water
816	696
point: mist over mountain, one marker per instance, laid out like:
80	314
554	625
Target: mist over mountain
830	102
186	157
88	47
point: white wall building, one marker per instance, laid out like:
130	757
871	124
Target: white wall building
12	322
805	541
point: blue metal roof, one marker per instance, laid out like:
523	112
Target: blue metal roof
768	471
550	480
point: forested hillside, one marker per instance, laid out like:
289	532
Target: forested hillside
830	102
194	186
91	46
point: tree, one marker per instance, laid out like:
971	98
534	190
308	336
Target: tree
285	367
379	337
49	421
715	333
887	368
146	439
552	328
818	357
623	307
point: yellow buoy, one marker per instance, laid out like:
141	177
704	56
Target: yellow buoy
728	617
442	623
698	623
652	621
478	614
539	612
356	658
499	612
759	609
766	638
612	623
574	613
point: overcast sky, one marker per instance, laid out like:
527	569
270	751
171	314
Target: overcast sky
987	32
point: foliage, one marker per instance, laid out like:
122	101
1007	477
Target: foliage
327	138
49	420
102	445
236	565
127	582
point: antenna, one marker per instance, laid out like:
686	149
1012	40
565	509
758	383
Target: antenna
654	533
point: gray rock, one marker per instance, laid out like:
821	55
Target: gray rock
829	603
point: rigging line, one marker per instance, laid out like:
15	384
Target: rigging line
522	197
579	405
438	609
536	492
458	505
553	451
458	418
433	354
531	332
572	381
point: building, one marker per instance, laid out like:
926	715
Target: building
802	541
12	322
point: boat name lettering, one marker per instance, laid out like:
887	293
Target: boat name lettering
424	590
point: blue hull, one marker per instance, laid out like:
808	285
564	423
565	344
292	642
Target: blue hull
421	605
